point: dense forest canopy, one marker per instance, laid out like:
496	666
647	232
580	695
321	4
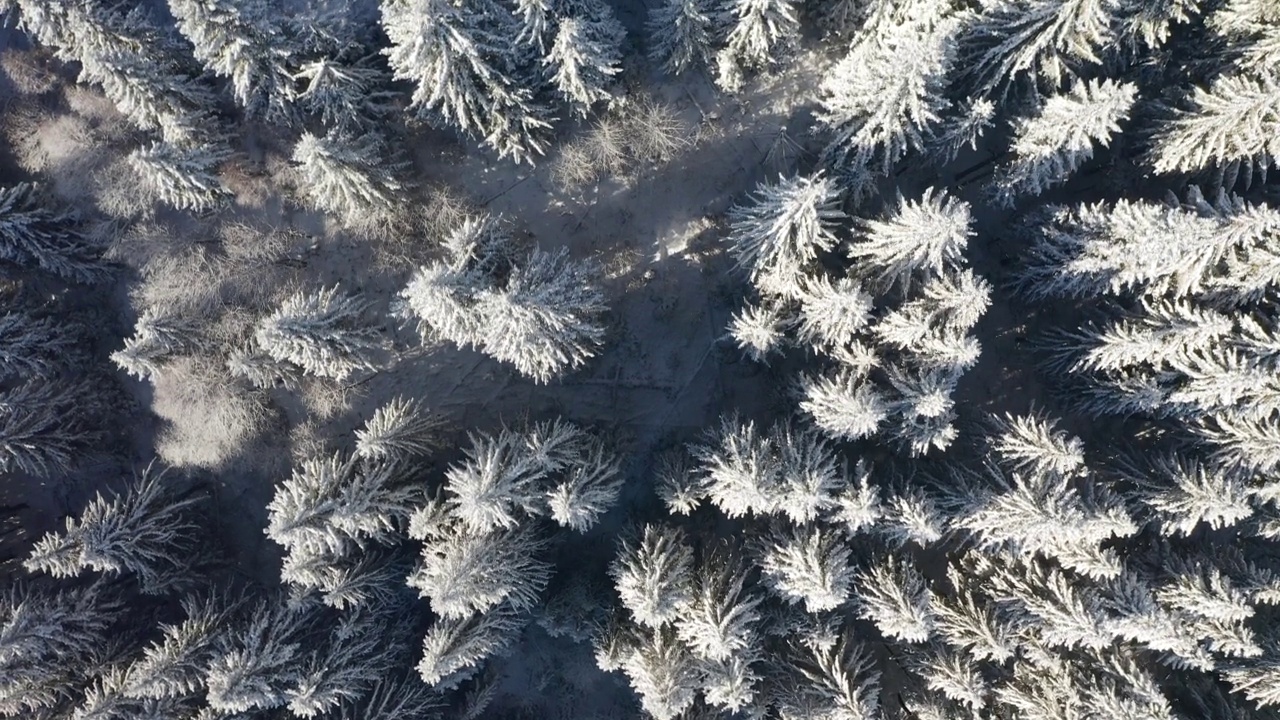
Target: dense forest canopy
690	359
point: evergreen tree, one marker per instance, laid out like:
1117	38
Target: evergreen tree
537	18
346	95
182	177
919	238
254	666
845	406
454	649
466	573
323	332
1043	41
35	346
759	330
978	628
147	531
587	491
175	666
34	236
832	314
1183	492
892	594
545	321
349	176
652	576
399	430
834	678
758	30
155	338
721	620
361	651
885	97
1049	146
681	34
242	42
809	564
1234	120
782	229
741	468
467	71
663	673
585	56
43	427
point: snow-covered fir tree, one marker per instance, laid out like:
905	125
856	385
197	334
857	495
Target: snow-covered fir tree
808	564
892	594
1049	146
585	55
467	573
44	426
36	236
537	19
348	95
454	649
663	673
244	43
781	231
180	176
174	666
1040	41
652	574
147	531
759	31
351	176
885	97
399	430
155	338
255	664
1233	120
468	71
924	236
35	345
540	313
325	332
720	621
682	34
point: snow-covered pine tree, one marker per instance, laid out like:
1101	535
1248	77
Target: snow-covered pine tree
1052	144
254	665
759	329
1150	249
325	332
545	321
148	531
652	575
808	564
243	42
35	346
782	229
975	626
586	55
1235	120
741	469
682	34
810	473
468	71
183	177
454	649
1062	612
663	673
1042	41
831	314
175	665
1184	492
155	338
678	485
350	175
885	97
45	639
892	594
399	430
844	405
587	490
465	573
1250	28
537	19
720	621
919	239
834	678
348	95
759	32
43	426
361	651
36	236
